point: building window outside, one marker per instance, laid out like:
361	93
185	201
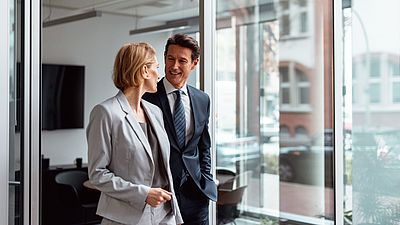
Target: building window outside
394	71
375	67
301	132
396	92
293	18
384	71
394	68
303	22
295	87
303	87
374	93
285	25
284	131
285	85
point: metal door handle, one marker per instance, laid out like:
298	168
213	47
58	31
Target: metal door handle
14	183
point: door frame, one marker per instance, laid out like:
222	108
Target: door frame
31	150
4	101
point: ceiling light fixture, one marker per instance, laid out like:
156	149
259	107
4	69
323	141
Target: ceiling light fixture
169	26
68	19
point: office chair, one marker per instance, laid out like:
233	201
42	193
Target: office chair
225	178
78	204
227	203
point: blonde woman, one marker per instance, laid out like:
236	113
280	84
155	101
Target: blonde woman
128	147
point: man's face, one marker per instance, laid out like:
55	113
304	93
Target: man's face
178	65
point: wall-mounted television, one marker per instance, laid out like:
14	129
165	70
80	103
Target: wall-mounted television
63	91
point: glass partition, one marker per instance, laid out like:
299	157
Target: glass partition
273	112
91	44
16	123
372	76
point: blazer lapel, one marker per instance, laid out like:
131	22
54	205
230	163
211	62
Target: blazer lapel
134	124
161	137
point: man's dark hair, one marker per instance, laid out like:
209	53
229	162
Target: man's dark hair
186	41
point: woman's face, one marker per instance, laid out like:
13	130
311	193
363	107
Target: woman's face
152	77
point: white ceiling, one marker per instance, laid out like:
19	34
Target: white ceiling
155	10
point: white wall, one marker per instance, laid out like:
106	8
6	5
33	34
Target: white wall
93	43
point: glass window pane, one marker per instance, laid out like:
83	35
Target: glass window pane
396	92
302	3
395	68
285	96
372	160
375	67
268	139
284	131
284	4
354	70
284	74
374	93
301	77
301	131
354	99
303	22
284	25
304	95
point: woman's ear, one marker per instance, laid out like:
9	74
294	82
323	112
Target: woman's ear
145	72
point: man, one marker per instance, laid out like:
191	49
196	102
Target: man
186	114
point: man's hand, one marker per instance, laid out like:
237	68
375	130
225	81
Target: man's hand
156	196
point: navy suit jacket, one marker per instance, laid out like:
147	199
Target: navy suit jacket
196	157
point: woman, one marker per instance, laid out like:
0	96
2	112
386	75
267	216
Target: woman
128	146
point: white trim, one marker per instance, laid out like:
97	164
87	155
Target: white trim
31	148
378	108
4	110
34	113
338	54
26	15
207	75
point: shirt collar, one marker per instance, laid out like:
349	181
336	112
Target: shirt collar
169	88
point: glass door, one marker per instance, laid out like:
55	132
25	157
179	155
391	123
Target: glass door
274	125
372	109
16	128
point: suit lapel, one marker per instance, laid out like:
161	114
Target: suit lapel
134	124
168	120
194	104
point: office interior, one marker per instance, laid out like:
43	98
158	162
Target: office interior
305	102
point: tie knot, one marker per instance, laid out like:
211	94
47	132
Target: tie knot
178	93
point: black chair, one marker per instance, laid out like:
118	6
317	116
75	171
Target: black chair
228	200
78	203
226	178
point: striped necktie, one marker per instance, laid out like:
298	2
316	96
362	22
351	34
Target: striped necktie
179	120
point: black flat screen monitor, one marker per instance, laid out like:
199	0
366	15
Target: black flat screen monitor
63	90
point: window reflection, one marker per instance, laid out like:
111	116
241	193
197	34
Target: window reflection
371	169
272	124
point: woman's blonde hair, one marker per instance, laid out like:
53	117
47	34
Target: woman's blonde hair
129	63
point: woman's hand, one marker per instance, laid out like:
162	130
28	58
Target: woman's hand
156	196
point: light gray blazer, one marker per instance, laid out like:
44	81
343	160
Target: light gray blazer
121	164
